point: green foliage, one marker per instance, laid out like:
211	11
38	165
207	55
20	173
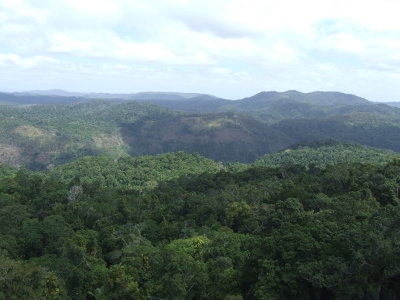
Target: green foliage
97	229
223	137
20	280
322	224
138	173
375	129
327	155
41	136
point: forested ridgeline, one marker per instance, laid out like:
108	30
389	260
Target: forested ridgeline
42	136
195	229
324	153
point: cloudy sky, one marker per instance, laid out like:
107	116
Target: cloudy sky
229	48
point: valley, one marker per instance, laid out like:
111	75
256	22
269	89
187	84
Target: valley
187	196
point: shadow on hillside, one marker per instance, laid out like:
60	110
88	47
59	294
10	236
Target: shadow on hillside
230	141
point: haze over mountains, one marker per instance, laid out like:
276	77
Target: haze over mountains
179	95
186	101
46	128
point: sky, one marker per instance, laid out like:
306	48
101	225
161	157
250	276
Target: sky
228	48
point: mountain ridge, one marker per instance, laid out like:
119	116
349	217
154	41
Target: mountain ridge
181	95
43	135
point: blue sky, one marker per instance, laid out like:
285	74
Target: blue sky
229	48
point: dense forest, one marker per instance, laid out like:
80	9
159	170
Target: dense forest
60	129
188	196
180	226
41	136
324	153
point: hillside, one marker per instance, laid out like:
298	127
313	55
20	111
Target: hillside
43	136
146	172
268	107
26	99
394	104
330	154
133	96
371	129
132	173
57	96
222	137
273	107
40	136
316	98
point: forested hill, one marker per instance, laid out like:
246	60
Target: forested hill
394	104
224	137
43	136
132	173
272	107
203	231
329	154
267	107
146	172
13	99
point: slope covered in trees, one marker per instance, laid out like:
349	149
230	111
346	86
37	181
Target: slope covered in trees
261	233
40	136
43	136
223	137
329	154
26	99
134	173
269	107
367	128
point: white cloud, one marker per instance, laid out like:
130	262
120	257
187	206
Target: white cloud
264	44
344	42
9	59
148	51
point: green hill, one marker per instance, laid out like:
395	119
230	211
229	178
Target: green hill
322	156
268	107
222	137
132	172
40	136
26	99
47	135
368	128
183	226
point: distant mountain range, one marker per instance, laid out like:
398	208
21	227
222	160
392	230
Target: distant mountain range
264	105
40	129
395	104
324	153
128	96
